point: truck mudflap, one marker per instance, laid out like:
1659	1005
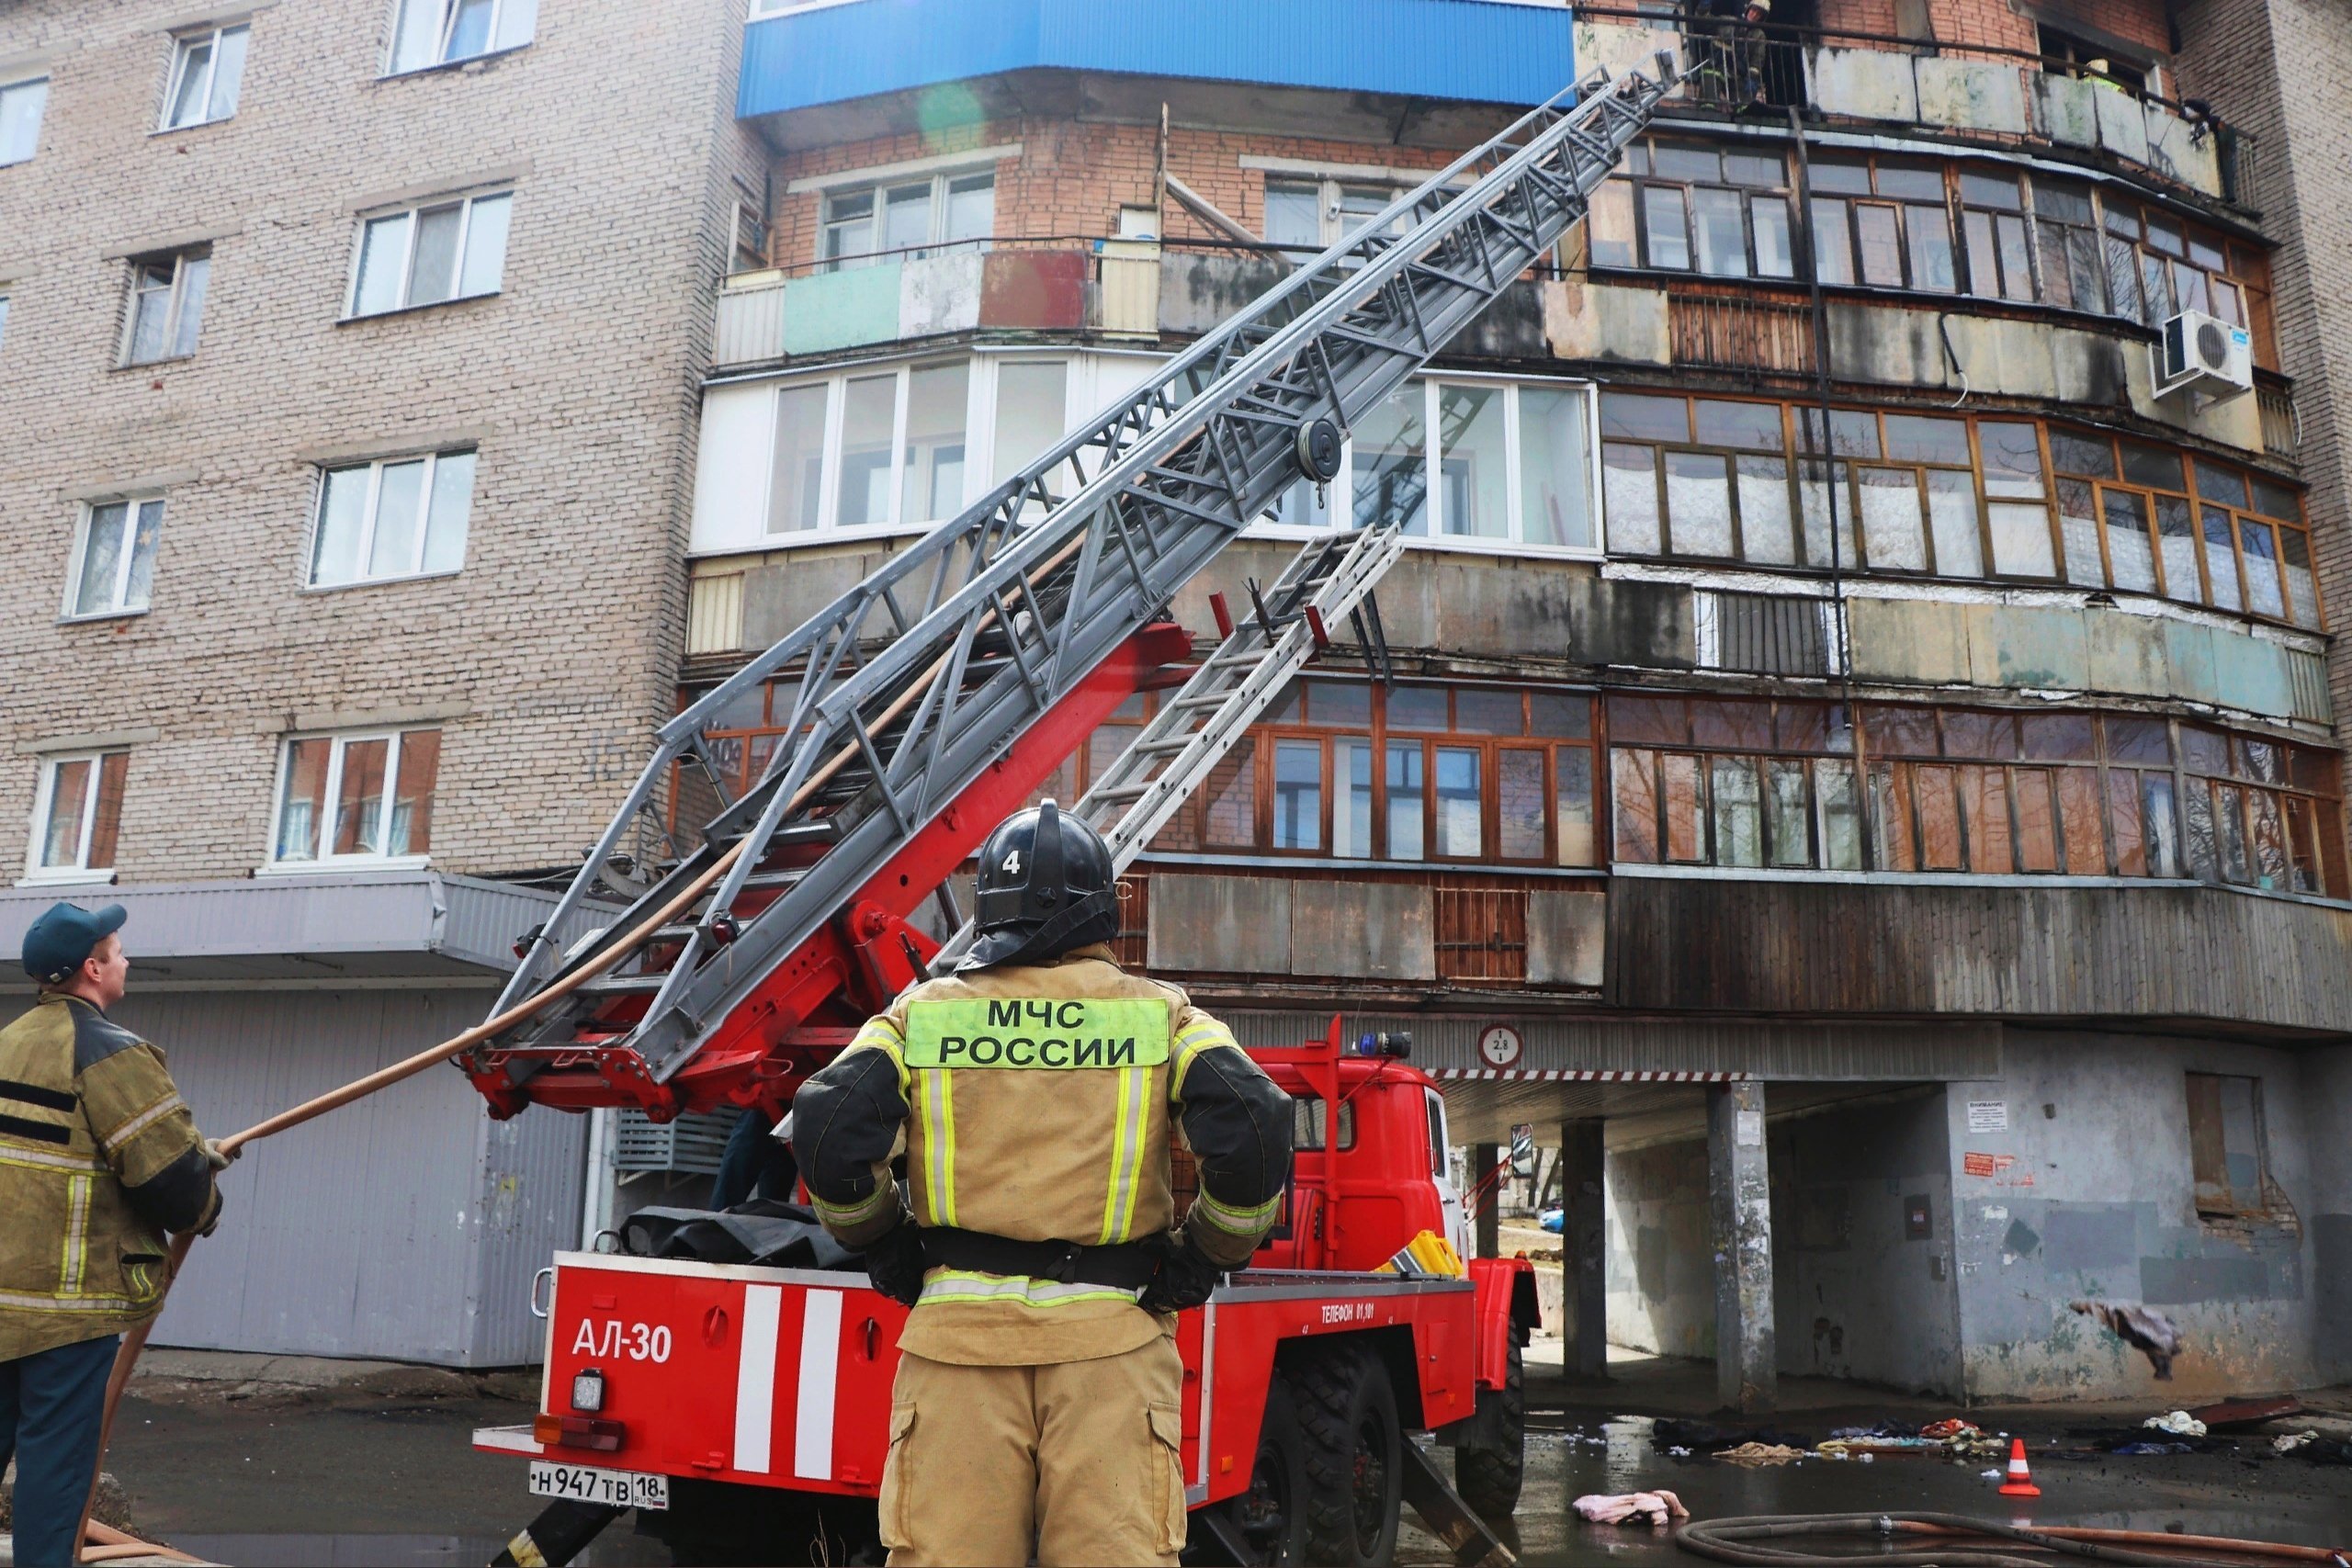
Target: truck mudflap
1507	1303
781	1377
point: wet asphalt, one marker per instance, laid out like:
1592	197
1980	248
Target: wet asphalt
348	1479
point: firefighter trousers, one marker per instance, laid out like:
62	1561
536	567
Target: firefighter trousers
1078	1461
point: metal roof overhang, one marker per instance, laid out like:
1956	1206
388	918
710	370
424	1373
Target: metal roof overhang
1430	73
365	928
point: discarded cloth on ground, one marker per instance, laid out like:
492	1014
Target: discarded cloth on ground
1949	1429
1761	1453
1631	1508
2151	1332
2179	1422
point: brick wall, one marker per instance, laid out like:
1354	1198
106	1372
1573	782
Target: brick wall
2282	68
546	657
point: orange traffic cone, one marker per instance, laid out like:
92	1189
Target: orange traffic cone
2020	1480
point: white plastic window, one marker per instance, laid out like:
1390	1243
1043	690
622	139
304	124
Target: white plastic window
208	68
908	220
423	256
76	816
362	797
437	32
167	306
114	558
392	518
20	107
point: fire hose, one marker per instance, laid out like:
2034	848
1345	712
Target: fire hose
1977	1543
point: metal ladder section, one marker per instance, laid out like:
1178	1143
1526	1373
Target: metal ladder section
1199	723
912	683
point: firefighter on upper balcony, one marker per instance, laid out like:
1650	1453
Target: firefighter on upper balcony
1727	50
1036	1409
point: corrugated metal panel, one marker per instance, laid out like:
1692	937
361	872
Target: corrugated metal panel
1465	50
1725	944
2307	675
1765	634
484	918
364	1233
1828	1052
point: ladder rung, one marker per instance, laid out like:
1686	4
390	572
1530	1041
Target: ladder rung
1162	743
622	984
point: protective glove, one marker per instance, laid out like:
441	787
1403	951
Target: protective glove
218	1157
1186	1277
894	1261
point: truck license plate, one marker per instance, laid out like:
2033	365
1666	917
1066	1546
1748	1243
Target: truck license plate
586	1483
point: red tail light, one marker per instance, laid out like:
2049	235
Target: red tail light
592	1432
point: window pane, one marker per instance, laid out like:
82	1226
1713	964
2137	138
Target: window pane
1518	800
2196	811
2221	560
2012	456
433	276
1983	260
1644	419
193	89
1811	726
486	245
849	226
2219	484
1634	781
2123	822
2269	832
1629	497
1298	794
868	409
1470	437
2021	539
2275	500
141	576
343	517
1892	528
470	31
2204	751
1573	764
1832	245
151	310
2078	524
971	209
1730	724
1552	467
2261	546
451	508
2229	820
1984	795
2161	824
1698	503
195	272
417	39
1767	532
69	796
106	815
1352	798
1739	812
1819	496
1485	710
1417	707
1788	813
1774	255
1460	807
1915	438
515	21
1408	785
2078	819
101	559
382	244
420	764
1686	807
1891	816
2017	266
2037	822
303	802
2128	548
1567	717
906	217
1662	219
1937	795
799	459
1951	516
2072	453
935	457
1390	477
1841	814
1874	228
2302	830
1031	406
400	495
2150	466
1722	239
1232	817
2177	543
1969	733
2295	551
1293	215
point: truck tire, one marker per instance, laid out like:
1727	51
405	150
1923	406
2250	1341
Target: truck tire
1347	1414
1271	1516
1488	1478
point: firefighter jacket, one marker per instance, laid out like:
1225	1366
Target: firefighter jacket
1036	1102
99	1157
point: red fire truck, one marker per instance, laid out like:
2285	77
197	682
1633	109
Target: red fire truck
745	1409
742	1410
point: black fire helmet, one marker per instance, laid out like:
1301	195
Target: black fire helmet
1045	886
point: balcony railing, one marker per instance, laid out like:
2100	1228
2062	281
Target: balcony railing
1840	73
2282	427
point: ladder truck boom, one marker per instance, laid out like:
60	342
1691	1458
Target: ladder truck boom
942	692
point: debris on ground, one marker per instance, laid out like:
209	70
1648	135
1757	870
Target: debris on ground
1761	1453
1881	1427
2179	1422
2288	1442
2151	1332
1949	1429
2231	1413
1631	1508
2134	1450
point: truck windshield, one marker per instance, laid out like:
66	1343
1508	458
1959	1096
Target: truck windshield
1307	1130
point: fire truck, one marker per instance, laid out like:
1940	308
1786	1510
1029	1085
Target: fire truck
742	1407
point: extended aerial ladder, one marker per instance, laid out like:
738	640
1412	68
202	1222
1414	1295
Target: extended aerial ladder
938	694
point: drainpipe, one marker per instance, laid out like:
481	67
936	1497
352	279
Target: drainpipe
1821	380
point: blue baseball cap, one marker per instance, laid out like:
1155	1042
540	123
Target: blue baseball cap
56	945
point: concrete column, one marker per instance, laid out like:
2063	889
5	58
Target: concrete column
1584	1250
1739	1202
1486	1223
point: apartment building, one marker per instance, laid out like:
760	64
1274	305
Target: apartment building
1863	741
350	355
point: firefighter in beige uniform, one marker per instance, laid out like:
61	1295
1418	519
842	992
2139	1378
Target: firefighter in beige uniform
1036	1404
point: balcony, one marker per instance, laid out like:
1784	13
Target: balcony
1431	71
1880	79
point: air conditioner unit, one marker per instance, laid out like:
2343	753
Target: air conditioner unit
2205	353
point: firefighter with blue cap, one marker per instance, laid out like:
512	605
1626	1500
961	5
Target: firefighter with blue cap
99	1159
1036	1414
